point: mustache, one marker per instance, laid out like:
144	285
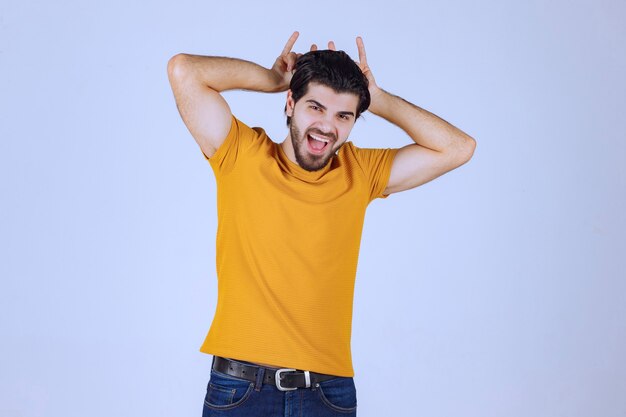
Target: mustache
330	135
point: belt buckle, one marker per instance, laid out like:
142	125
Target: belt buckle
307	377
277	377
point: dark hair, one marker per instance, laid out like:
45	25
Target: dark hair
334	69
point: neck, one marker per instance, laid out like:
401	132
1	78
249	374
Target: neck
287	146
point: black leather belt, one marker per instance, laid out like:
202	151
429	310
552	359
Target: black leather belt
285	379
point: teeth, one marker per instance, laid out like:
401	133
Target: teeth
318	138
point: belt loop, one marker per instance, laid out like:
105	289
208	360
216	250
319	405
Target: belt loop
259	378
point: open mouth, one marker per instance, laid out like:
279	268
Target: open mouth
317	144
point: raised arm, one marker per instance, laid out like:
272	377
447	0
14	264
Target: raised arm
198	80
439	146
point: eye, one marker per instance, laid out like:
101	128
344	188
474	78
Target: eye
344	117
314	107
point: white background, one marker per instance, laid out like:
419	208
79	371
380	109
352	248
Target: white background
495	290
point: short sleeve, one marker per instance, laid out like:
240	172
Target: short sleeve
376	164
237	143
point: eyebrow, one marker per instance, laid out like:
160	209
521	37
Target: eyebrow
321	106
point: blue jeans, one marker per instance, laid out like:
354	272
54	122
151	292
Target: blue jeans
229	396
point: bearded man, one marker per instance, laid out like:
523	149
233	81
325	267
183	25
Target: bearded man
290	217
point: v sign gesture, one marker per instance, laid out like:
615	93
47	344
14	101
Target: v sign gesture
362	63
284	66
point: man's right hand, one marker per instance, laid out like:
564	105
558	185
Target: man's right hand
285	64
283	67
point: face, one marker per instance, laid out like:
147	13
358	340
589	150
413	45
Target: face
321	122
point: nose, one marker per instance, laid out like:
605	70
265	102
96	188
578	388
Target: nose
326	124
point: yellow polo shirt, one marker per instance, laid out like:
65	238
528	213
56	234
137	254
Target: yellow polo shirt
287	250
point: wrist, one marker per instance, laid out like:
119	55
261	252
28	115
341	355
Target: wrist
276	82
377	97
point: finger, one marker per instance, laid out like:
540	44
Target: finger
290	60
290	43
331	46
361	48
314	47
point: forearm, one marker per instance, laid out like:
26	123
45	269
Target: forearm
221	74
425	128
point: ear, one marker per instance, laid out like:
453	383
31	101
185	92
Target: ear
290	104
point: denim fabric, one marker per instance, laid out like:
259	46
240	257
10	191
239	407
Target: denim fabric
234	397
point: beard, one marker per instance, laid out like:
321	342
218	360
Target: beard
306	159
